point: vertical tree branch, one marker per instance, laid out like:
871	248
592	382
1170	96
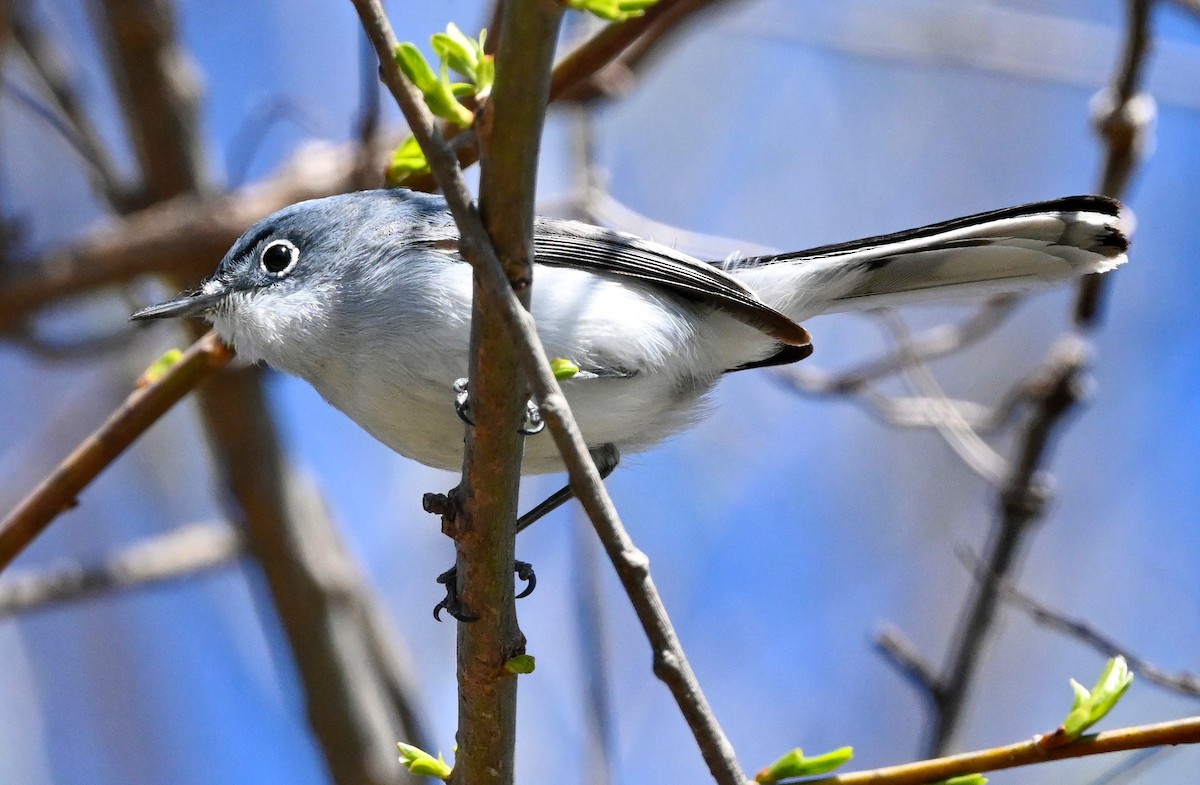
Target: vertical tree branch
632	566
510	128
160	92
1123	117
315	586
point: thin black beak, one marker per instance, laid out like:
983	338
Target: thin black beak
189	305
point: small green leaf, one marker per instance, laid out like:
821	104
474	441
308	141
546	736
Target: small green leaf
613	10
1090	706
563	369
465	56
795	764
521	664
459	52
421	763
158	369
437	91
408	159
414	65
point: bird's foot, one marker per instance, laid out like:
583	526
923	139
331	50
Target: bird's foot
454	606
533	424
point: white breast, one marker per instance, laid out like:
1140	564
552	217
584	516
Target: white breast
393	372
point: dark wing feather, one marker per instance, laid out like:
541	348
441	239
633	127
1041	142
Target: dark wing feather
596	250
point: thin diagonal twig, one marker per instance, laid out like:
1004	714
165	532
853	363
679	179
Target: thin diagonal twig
144	407
670	663
50	66
966	443
1024	753
1185	683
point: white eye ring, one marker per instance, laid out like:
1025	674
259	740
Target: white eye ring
279	264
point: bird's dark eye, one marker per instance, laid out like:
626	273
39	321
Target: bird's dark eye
279	257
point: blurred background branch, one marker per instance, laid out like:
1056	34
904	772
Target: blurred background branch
171	220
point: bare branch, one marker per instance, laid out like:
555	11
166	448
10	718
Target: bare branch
966	443
926	411
368	127
1124	118
904	656
594	647
160	93
1024	753
1021	502
578	66
1189	5
631	564
58	492
619	76
606	46
325	609
1185	683
49	64
182	553
936	342
323	606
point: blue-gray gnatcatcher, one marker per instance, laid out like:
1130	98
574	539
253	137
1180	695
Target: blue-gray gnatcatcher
366	297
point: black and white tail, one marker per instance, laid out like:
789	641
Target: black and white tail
1010	250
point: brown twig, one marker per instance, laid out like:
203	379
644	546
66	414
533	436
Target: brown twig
1123	118
181	553
573	70
606	46
619	75
57	493
1024	753
631	564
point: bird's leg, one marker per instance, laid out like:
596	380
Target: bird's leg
606	458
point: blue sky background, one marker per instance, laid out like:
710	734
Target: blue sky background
782	531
